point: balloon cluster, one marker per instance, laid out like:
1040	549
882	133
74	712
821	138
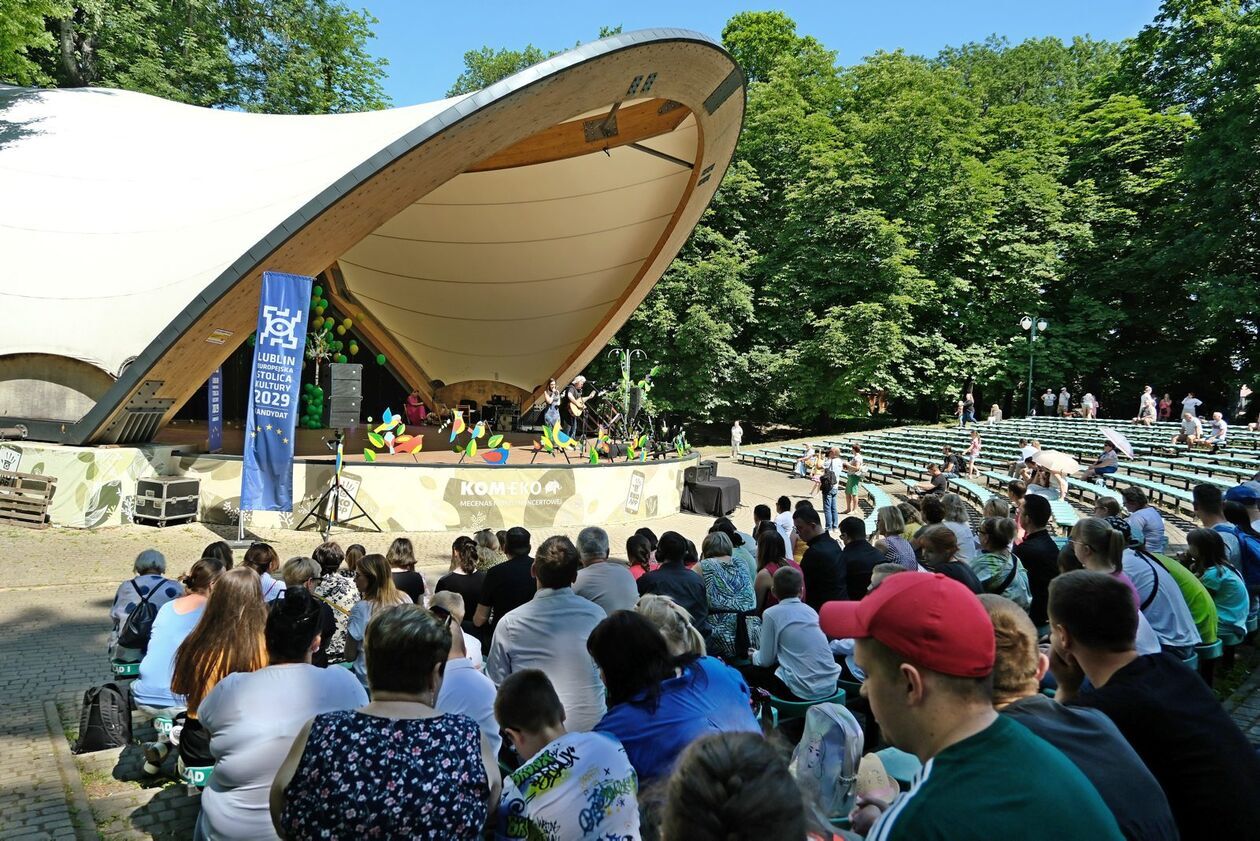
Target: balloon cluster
312	407
326	330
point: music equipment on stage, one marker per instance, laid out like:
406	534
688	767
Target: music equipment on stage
167	500
705	471
342	383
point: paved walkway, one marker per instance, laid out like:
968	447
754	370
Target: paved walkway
53	628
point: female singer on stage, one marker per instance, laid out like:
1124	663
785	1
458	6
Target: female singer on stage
553	395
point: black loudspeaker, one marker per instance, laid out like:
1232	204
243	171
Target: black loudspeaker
705	471
343	394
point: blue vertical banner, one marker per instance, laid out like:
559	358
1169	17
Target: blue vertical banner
267	479
214	400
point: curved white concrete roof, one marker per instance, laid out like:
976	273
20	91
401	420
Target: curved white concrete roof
481	241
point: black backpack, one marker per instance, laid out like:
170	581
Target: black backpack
138	628
827	481
105	720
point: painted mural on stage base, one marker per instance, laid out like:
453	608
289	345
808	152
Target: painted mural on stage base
96	487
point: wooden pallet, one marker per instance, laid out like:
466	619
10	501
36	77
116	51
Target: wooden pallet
25	498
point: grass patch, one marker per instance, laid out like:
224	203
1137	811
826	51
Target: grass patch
1246	661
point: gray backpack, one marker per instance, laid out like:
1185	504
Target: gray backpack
825	762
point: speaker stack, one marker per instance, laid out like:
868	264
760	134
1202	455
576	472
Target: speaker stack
343	394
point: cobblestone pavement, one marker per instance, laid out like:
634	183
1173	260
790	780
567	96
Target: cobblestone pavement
53	628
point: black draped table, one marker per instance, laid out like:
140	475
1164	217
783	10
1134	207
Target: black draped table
717	497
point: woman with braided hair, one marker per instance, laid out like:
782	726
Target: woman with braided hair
732	787
252	717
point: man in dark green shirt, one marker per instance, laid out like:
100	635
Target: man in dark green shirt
927	647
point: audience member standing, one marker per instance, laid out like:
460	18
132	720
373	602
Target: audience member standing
549	632
1065	402
1048	400
1089	406
1190	404
569	785
606	582
1210	773
397	767
926	646
737	438
508	585
1165	407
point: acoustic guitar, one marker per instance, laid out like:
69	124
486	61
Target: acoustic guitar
578	405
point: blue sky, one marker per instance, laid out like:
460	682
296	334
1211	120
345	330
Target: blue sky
425	41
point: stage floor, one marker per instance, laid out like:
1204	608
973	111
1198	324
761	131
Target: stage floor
309	444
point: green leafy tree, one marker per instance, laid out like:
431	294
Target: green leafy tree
24	35
486	66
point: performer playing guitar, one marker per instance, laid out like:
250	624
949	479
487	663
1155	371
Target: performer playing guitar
575	403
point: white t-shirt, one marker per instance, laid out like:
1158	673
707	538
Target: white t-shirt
579	786
252	718
1064	398
1048	398
467	691
1088	400
1146	525
737	434
1191	405
967	546
1168	613
472	649
783	522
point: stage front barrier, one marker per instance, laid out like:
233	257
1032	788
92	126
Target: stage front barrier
96	487
403	497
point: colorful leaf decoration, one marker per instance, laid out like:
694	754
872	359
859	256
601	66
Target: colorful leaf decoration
471	449
369	456
376	439
495	440
403	438
388	417
594	456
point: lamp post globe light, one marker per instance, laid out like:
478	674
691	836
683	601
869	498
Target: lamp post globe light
1033	325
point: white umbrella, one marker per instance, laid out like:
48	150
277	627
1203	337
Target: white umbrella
1122	443
1057	462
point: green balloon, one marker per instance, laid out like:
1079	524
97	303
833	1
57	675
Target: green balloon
323	302
318	291
380	359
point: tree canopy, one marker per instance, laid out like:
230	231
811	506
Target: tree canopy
274	56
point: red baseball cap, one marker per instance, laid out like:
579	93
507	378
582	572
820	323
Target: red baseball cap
931	620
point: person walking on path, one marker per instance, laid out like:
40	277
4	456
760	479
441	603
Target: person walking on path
737	438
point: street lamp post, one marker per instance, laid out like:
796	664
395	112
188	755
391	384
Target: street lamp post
1034	325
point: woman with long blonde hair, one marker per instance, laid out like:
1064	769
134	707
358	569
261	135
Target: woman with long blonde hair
376	586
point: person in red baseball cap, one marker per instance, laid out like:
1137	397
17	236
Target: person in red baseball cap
927	647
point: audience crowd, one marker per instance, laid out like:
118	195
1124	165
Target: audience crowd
572	691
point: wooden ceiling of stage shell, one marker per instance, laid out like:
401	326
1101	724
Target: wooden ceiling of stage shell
505	238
